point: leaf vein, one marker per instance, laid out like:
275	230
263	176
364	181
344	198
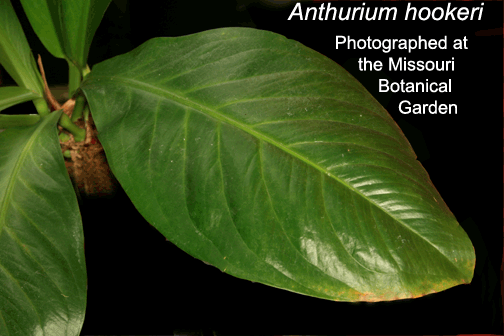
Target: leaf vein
280	223
15	237
227	204
209	112
274	74
14	280
334	230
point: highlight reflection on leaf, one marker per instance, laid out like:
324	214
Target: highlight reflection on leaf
269	161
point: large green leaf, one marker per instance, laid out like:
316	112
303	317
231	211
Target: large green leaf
266	159
42	265
15	53
66	27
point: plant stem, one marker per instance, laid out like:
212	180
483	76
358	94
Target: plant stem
78	133
41	106
86	113
63	137
74	79
79	106
86	71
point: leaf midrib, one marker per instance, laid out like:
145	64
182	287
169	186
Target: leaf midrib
13	177
215	114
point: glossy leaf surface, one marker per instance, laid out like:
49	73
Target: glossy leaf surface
66	27
12	95
15	54
271	162
42	265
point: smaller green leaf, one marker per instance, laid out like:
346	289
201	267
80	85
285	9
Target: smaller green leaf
82	18
15	53
42	22
13	95
66	28
7	121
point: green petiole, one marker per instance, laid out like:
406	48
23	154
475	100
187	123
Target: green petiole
79	106
74	78
86	113
78	133
41	106
63	137
85	72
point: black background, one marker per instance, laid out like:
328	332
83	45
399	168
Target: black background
138	283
